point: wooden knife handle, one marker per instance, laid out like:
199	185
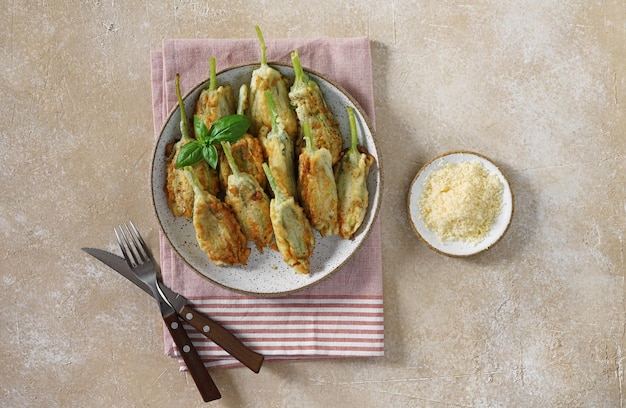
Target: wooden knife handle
223	338
202	378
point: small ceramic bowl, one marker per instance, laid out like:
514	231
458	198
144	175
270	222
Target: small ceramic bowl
458	248
266	274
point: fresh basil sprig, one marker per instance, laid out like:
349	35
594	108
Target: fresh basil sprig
226	129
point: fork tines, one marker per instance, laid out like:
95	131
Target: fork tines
131	243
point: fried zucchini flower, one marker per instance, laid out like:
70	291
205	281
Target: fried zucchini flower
351	177
279	151
306	96
292	230
316	186
250	204
266	78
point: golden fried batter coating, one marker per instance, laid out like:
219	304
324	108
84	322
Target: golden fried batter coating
250	204
281	160
279	150
215	104
177	188
317	188
217	231
248	155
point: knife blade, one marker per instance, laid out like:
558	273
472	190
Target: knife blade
205	325
205	384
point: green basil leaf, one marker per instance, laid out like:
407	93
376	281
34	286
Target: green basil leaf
189	154
229	129
210	155
200	129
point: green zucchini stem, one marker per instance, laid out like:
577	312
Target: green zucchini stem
242	103
297	68
184	125
353	133
263	47
229	157
192	177
278	193
212	75
273	112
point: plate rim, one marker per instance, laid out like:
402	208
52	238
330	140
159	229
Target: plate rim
501	176
375	208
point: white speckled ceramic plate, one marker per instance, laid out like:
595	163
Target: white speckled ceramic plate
458	248
266	274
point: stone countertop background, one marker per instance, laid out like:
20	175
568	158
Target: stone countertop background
537	86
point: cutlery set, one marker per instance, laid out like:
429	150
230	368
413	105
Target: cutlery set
139	267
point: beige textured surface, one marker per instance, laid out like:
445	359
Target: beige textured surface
538	86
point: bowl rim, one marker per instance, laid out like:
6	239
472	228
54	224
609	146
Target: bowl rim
375	208
507	188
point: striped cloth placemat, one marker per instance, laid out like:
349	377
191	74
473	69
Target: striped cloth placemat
297	327
341	316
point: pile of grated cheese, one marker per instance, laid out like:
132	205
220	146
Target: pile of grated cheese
461	201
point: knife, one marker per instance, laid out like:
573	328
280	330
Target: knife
203	324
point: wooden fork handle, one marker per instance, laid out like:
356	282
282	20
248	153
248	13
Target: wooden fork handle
202	378
223	338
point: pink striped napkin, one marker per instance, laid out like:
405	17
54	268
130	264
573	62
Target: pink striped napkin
340	317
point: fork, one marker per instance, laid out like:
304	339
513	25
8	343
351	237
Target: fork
141	262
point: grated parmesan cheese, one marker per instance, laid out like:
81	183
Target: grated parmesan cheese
461	201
